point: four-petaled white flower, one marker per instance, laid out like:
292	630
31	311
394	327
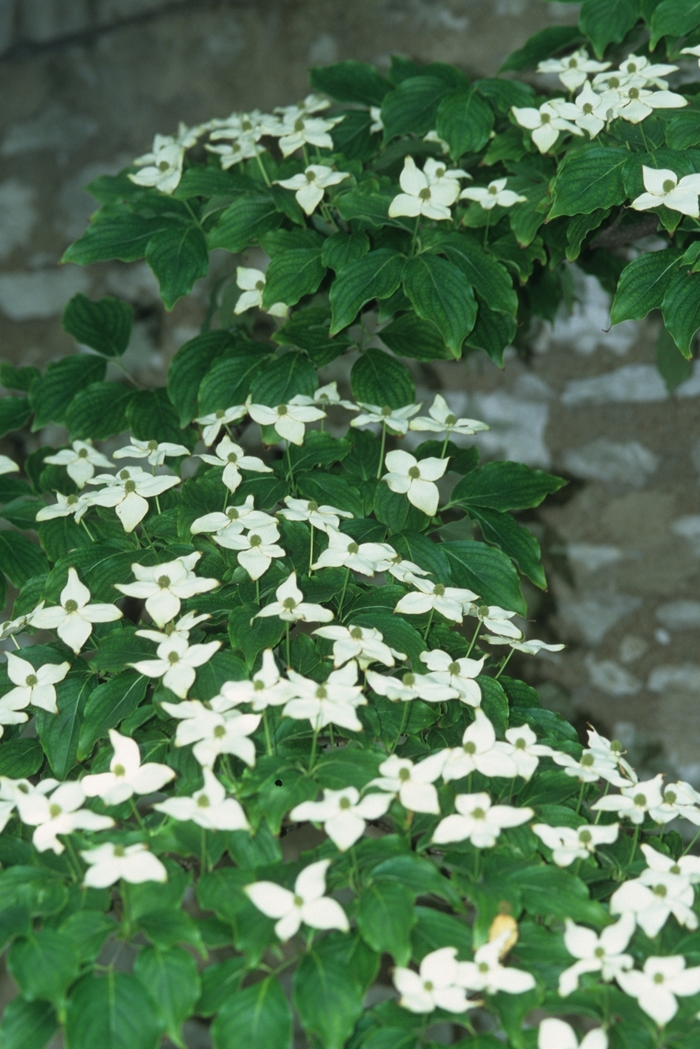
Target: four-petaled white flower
411	686
435	986
365	644
486	973
633	801
134	863
656	987
573	69
639	67
66	506
176	662
422	195
653	897
525	751
324	517
313	103
58	812
232	521
164	586
412	783
575	843
155	452
126	776
73	618
449	601
414	479
180	629
295	132
311	185
455	673
80	461
241	148
480	752
289	420
212	731
679	799
546	123
35	687
211	424
128	493
685	866
266	689
591	766
162	167
252	283
328	395
208	807
441	419
307	903
638	103
589	110
343	814
291	606
529	647
256	550
663	186
344	551
496	619
394	419
478	821
492	195
333	702
557	1034
603	954
233	459
613	751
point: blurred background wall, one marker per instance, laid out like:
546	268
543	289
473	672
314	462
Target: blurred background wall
84	86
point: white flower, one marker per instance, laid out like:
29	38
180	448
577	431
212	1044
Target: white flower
256	550
449	601
612	751
692	51
441	419
493	194
322	517
176	662
400	567
438	174
308	903
639	67
134	863
232	521
233	459
180	629
11	713
73	618
241	148
421	196
545	124
496	619
295	132
525	751
435	986
311	184
162	167
591	766
573	69
394	419
267	688
412	783
80	461
686	866
593	110
569	843
126	776
603	954
455	673
7	465
557	1034
478	821
252	283
328	395
311	104
480	752
657	986
164	586
211	424
335	701
344	551
154	452
66	506
58	813
365	644
520	644
634	800
208	807
415	480
679	799
638	103
486	973
653	897
33	686
289	419
411	686
664	187
291	606
375	113
129	493
343	814
213	732
10	627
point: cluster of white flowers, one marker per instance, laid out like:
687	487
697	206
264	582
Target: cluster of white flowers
432	191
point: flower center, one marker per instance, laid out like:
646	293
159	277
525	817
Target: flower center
585	837
119	770
310	177
299	124
428	985
356	633
413	472
478	814
616	746
660	890
124	475
675	869
353	548
258	686
408	680
130	486
203	801
164	582
658	977
72	500
312	507
670	797
469	747
545	118
599	952
587	760
82	454
219	732
451	419
255	540
219	413
520	744
439	590
386	411
482	611
424	194
232	513
70	606
298	900
321	692
634	92
631	67
587	107
668	185
231	457
493	190
344	803
453	668
246	125
152	446
31	680
613	82
483	967
55	810
119	851
573	63
163	165
289	603
404	775
173	657
640	800
440	172
281	409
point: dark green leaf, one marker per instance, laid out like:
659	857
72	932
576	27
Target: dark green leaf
552	891
673	367
51	395
292	275
283	378
59	733
327	992
579	228
223	666
178	256
350	82
417	874
374	276
189	366
411	109
114	1011
674	18
379	379
395	511
169	926
409	336
88	930
682	130
220	983
308	329
503	531
15	412
318	449
245	222
589	179
19	558
464	120
257	1017
484	273
17	378
607	21
172	980
385	918
435	929
494	703
681	309
27	1025
493	332
441	293
396	632
99	411
115	233
104	325
152	417
643	284
487	572
228	381
505	486
108	705
39	890
44	964
540	46
20	758
343	248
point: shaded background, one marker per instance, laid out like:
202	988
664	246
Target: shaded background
85	84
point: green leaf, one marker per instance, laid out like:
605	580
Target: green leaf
673	367
333	490
682	130
27	1025
189	366
178	256
435	929
44	964
169	926
99	411
350	82
343	248
20	559
283	378
223	666
292	275
308	329
17	378
681	310
104	325
487	572
484	273
15	412
674	18
228	381
172	979
503	531
395	511
409	336
607	21
88	930
494	703
579	228
51	395
114	1011
258	1017
541	46
318	449
220	983
422	551
417	874
367	206
374	276
464	120
505	486
643	284
379	379
245	221
385	918
108	705
59	733
441	293
396	632
328	991
412	107
115	233
38	889
152	417
20	758
552	891
493	332
589	179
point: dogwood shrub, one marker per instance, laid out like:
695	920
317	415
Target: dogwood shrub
263	767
